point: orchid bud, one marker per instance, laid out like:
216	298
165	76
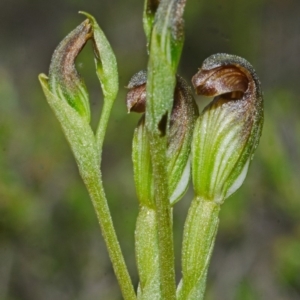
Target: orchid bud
183	117
64	81
228	130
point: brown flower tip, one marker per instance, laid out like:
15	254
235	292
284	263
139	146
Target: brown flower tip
234	84
64	80
223	80
227	75
136	97
62	65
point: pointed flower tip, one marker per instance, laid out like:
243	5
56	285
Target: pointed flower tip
44	80
106	64
64	80
90	17
228	130
43	77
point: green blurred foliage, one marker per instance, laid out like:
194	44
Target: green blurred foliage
50	242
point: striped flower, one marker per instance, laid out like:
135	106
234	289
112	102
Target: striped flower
228	130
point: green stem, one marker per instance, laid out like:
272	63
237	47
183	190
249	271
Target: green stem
94	185
165	49
164	219
147	254
199	237
96	191
160	92
101	129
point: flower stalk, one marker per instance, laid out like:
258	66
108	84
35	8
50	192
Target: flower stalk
165	50
66	94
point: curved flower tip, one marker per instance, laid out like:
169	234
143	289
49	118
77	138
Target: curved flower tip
64	80
136	97
228	130
224	73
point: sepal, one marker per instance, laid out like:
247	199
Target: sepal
76	129
106	63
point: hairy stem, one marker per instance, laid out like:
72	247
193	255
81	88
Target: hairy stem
102	125
95	188
164	222
147	254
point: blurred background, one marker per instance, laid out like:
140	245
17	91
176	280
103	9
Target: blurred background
50	242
